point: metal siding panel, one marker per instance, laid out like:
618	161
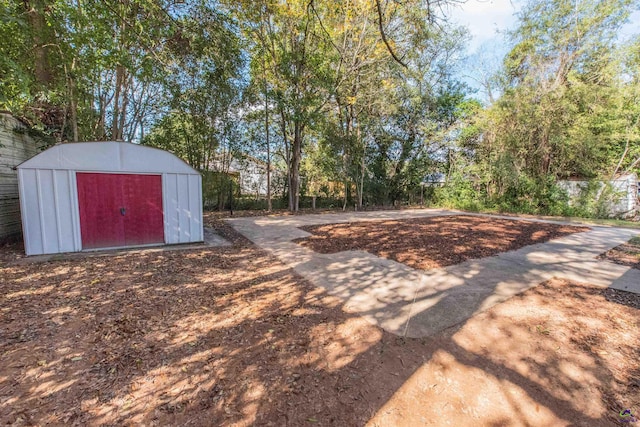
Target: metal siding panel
183	207
47	212
28	210
178	208
171	209
64	211
186	210
38	206
189	231
194	206
56	211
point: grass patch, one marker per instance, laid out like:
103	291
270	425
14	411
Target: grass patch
587	221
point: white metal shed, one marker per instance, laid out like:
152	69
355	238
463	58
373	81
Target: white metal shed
91	195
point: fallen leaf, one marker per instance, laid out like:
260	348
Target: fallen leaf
541	330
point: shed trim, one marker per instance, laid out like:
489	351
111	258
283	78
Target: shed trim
25	220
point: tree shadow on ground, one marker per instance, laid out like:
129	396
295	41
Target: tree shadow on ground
232	337
432	242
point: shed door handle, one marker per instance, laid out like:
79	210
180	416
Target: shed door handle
123	211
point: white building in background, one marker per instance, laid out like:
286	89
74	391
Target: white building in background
251	173
625	189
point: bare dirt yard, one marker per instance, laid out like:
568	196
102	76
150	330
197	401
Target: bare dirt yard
229	336
432	242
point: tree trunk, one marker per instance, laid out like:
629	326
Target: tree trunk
101	130
546	153
116	102
287	151
345	156
124	106
37	22
346	192
296	156
73	105
362	168
266	130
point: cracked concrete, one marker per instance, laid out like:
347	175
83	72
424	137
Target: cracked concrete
415	303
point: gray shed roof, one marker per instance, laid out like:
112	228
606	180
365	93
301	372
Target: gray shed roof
110	156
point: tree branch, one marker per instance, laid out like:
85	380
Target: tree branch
384	36
315	12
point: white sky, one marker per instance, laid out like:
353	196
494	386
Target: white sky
487	21
485	18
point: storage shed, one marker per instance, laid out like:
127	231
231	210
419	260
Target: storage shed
91	195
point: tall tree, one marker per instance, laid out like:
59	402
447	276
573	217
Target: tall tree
203	90
560	68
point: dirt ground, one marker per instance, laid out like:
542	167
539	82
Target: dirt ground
559	354
229	336
627	254
433	242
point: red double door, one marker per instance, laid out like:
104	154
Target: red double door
120	209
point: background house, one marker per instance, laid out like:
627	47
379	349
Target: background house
622	200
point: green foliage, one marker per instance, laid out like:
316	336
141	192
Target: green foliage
568	109
15	79
458	193
219	190
357	106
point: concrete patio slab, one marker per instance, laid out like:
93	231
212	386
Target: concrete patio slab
629	281
415	303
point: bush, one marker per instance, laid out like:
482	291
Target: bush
458	193
523	196
251	203
535	196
